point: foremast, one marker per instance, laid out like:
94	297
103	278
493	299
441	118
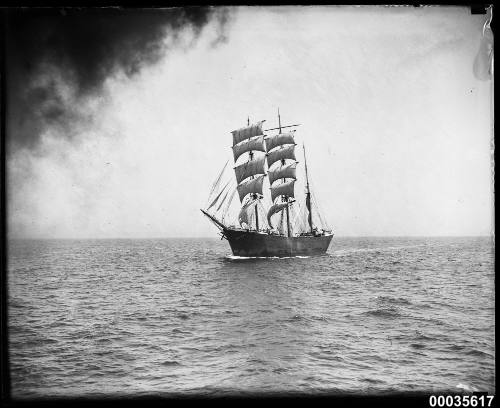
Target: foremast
249	174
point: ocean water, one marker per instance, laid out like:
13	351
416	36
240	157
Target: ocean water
164	317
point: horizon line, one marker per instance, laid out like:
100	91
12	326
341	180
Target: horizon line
492	235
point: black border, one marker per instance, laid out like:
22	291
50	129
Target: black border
420	399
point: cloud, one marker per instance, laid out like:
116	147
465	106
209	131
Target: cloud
59	59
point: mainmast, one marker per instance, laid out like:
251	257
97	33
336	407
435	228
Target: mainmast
308	192
280	148
254	195
285	198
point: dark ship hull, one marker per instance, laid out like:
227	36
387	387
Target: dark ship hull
251	243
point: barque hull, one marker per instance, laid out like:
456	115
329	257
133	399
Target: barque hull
251	243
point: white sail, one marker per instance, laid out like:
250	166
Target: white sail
249	145
247	132
250	186
286	171
244	212
286	152
279	140
275	208
285	189
250	168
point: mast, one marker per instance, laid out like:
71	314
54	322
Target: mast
250	174
282	127
287	218
308	192
280	148
254	196
279	120
256	217
284	180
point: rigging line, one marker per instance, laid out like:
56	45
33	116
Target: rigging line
296	218
228	204
217	181
281	228
222	202
264	219
318	209
303	219
218	196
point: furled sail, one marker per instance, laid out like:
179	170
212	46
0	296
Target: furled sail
285	189
247	132
245	211
286	171
250	186
250	168
249	145
286	152
279	139
273	210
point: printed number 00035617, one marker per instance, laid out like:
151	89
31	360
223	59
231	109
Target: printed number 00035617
461	400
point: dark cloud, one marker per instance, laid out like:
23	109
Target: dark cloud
48	49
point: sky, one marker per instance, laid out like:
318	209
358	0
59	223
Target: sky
395	107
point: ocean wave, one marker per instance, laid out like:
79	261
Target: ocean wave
373	380
165	321
421	336
170	363
456	347
389	299
351	251
387	312
417	346
479	353
295	318
326	355
466	388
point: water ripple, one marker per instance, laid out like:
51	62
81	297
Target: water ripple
182	317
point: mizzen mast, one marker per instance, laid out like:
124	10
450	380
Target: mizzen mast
308	192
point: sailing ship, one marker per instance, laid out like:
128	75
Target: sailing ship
288	228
